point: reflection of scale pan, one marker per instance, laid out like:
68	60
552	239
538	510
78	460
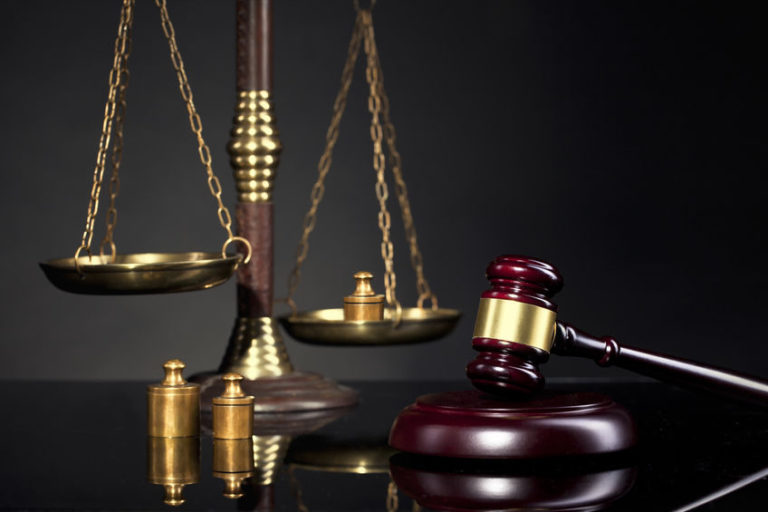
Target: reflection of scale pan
361	457
328	327
141	272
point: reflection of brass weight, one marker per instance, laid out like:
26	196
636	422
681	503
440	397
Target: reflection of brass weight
173	462
233	463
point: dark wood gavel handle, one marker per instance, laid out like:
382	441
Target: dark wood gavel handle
606	351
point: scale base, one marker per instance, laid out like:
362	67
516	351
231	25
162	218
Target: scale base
257	352
471	424
290	393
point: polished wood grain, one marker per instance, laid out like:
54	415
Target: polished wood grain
255	279
254	45
471	424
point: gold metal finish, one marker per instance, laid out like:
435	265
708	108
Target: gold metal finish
173	406
117	149
116	75
328	327
361	460
364	304
254	147
256	349
417	261
393	499
233	410
517	322
141	272
372	73
114	114
268	455
378	106
355	457
324	165
214	185
233	463
173	463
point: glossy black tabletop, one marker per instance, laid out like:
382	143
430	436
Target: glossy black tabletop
83	446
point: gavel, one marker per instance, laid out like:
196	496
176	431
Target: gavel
516	330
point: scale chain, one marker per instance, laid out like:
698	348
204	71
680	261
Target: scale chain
117	149
324	165
115	77
379	162
417	262
214	185
378	105
393	501
114	117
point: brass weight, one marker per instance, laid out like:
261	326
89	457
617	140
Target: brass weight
364	304
233	410
173	406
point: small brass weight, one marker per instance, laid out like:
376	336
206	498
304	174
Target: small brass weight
173	427
232	436
363	304
233	410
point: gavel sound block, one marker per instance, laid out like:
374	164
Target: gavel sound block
508	416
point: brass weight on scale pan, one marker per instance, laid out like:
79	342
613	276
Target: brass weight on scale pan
115	273
356	324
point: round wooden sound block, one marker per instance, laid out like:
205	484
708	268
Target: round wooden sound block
471	424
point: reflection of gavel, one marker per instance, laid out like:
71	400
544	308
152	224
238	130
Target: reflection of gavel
516	330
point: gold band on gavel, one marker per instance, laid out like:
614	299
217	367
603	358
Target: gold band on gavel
518	322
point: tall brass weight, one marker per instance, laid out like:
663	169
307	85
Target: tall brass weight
173	405
173	427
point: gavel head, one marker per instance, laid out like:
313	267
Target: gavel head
515	326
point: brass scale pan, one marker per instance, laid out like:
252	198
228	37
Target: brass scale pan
328	327
144	273
140	273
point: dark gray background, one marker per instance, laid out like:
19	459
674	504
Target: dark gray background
623	142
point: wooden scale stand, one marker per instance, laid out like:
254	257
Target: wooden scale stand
256	350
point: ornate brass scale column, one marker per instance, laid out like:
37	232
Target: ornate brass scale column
256	349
